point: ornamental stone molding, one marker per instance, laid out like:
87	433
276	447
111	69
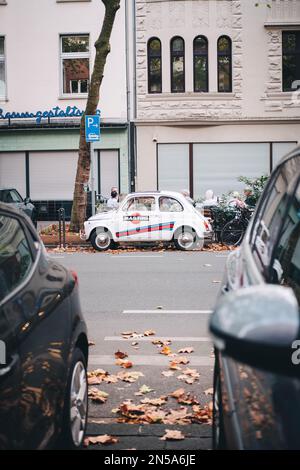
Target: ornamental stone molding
168	106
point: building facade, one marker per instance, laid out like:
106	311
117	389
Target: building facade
216	91
46	58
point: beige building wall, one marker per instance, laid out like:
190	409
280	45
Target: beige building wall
256	111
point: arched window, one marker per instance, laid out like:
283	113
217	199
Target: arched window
200	52
177	65
154	66
224	64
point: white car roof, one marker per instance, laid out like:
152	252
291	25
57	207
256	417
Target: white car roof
157	193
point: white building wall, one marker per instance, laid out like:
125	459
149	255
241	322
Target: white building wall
256	49
32	29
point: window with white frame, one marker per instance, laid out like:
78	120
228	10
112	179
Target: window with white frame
75	64
2	69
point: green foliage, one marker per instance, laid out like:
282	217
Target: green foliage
255	184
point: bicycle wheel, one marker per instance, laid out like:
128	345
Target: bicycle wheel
232	233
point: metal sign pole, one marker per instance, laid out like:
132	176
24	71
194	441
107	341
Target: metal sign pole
92	152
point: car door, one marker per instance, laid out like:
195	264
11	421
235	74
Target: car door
44	334
138	220
171	213
11	275
40	316
266	406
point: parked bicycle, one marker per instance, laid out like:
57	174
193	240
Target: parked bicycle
233	232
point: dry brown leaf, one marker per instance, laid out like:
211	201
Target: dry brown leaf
155	401
105	439
167	373
209	391
171	435
181	360
97	395
186	351
93	380
155	416
129	376
124	363
178	393
187	399
174	366
149	333
166	351
120	355
91	343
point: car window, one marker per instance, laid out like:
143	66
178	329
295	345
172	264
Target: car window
140	204
15	196
286	257
15	255
169	204
269	217
6	196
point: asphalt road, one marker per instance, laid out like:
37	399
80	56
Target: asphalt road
171	293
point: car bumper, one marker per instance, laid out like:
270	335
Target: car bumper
208	237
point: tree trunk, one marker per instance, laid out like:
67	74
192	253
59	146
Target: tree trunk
84	157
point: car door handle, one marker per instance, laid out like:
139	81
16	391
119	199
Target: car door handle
7	368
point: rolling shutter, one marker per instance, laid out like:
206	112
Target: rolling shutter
52	175
12	171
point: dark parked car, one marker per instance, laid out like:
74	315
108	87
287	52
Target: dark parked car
43	343
256	325
12	196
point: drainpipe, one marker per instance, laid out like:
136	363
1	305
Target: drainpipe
129	95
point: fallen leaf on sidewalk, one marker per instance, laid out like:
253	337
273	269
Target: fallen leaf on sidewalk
166	351
209	391
135	343
155	401
153	417
174	366
124	363
187	399
120	355
149	333
91	343
129	376
105	439
181	360
171	435
178	393
143	390
167	373
97	395
93	380
186	351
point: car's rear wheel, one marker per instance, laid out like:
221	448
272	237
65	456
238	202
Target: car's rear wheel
101	239
76	404
185	238
219	441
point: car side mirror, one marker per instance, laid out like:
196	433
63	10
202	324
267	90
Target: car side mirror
27	200
259	326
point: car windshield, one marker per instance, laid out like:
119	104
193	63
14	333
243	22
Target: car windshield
9	196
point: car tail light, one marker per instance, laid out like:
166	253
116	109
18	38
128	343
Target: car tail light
75	276
207	226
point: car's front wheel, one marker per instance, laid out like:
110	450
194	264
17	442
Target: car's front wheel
185	238
76	404
101	239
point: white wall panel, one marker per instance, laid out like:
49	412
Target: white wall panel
52	175
12	171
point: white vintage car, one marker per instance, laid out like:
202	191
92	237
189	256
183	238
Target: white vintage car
161	216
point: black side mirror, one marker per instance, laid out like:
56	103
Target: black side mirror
27	200
259	326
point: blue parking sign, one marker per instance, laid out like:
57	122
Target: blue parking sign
92	128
